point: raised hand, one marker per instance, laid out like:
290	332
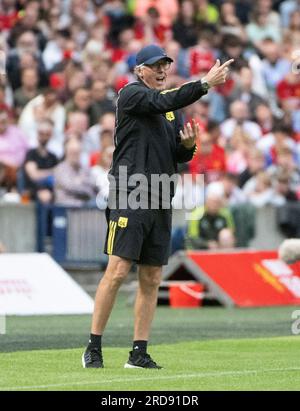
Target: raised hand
218	73
189	134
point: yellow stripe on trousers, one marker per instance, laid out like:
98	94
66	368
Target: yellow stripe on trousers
111	236
108	238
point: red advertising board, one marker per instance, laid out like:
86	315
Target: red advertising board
251	278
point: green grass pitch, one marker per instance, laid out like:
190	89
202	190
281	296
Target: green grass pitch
200	349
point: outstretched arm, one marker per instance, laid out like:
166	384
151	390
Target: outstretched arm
137	99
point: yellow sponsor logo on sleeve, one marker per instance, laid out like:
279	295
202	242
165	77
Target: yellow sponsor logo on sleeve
122	222
170	116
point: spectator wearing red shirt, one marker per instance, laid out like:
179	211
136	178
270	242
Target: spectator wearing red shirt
209	159
119	51
232	47
201	57
288	91
107	140
150	29
8	16
168	9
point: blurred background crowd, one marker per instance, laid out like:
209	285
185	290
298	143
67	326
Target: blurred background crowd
66	60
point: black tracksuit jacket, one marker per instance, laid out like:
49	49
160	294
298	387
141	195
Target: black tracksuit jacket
148	122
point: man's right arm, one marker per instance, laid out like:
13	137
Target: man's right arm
36	174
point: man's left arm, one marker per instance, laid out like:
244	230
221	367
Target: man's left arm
186	140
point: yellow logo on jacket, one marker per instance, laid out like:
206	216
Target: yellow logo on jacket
122	222
170	116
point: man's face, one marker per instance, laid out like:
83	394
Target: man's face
30	78
78	122
246	78
286	161
256	162
234	51
271	51
239	111
50	97
44	134
99	90
229	185
206	144
155	75
82	99
27	42
73	152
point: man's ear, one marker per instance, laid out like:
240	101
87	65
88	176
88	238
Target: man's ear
139	72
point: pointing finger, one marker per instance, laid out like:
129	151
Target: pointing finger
227	63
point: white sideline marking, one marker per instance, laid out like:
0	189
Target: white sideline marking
163	377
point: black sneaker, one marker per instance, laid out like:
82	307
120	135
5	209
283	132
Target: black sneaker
92	358
138	359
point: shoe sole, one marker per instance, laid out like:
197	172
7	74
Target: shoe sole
136	366
131	366
82	360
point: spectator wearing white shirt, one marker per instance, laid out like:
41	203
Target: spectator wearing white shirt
243	90
286	9
77	124
285	163
265	7
54	50
239	116
261	28
229	186
272	142
45	105
92	141
73	183
255	164
274	66
240	146
259	190
100	174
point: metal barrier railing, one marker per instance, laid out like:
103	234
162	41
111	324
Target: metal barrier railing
78	235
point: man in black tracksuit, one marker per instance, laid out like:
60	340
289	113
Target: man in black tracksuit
149	142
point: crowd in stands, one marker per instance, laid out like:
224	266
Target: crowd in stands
66	60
